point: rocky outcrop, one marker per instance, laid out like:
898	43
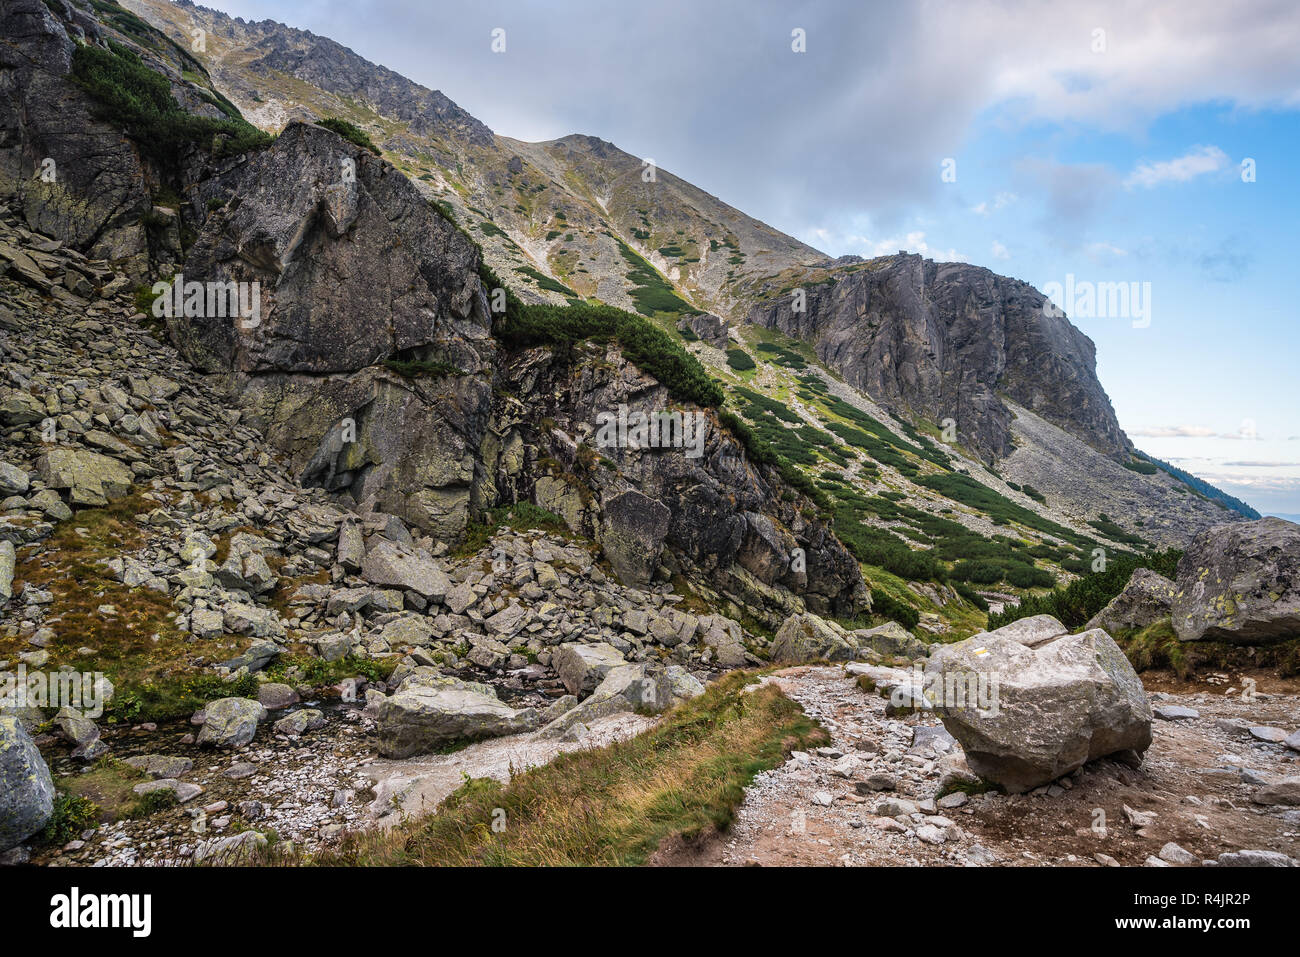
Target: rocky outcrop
26	789
315	217
1147	598
74	176
710	329
1240	583
1028	715
947	340
720	518
353	266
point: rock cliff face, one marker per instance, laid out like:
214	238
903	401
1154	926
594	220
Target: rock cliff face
352	266
355	271
719	516
75	177
944	340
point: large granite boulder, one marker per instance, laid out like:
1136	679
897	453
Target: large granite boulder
1240	583
891	640
629	687
401	566
1147	598
26	789
1028	715
429	711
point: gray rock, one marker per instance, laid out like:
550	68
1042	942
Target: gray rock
1270	735
274	696
160	765
890	639
1256	858
300	722
1285	791
184	791
1174	712
26	789
90	478
390	563
1146	599
1030	632
582	667
808	637
13	480
81	732
230	722
1053	708
8	561
351	548
633	529
429	712
1171	853
1240	583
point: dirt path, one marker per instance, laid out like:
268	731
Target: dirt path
1197	778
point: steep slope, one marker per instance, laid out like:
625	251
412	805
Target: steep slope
948	340
1033	485
570	218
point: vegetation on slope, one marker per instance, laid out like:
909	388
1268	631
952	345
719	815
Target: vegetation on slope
1078	601
133	96
1204	488
350	132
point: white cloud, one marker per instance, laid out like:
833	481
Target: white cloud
1000	201
1199	162
1245	433
913	242
999	251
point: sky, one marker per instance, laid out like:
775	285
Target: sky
1139	162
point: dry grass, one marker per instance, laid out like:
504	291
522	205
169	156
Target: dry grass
159	671
607	806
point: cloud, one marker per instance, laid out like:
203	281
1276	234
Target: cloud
1199	162
998	251
1191	432
1074	193
860	121
1000	201
913	242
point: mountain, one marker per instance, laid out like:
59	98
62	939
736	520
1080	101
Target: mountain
840	407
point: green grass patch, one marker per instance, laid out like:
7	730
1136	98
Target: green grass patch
131	95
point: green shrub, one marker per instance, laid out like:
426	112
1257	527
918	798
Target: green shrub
130	94
1078	601
72	815
739	360
350	132
650	348
883	603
